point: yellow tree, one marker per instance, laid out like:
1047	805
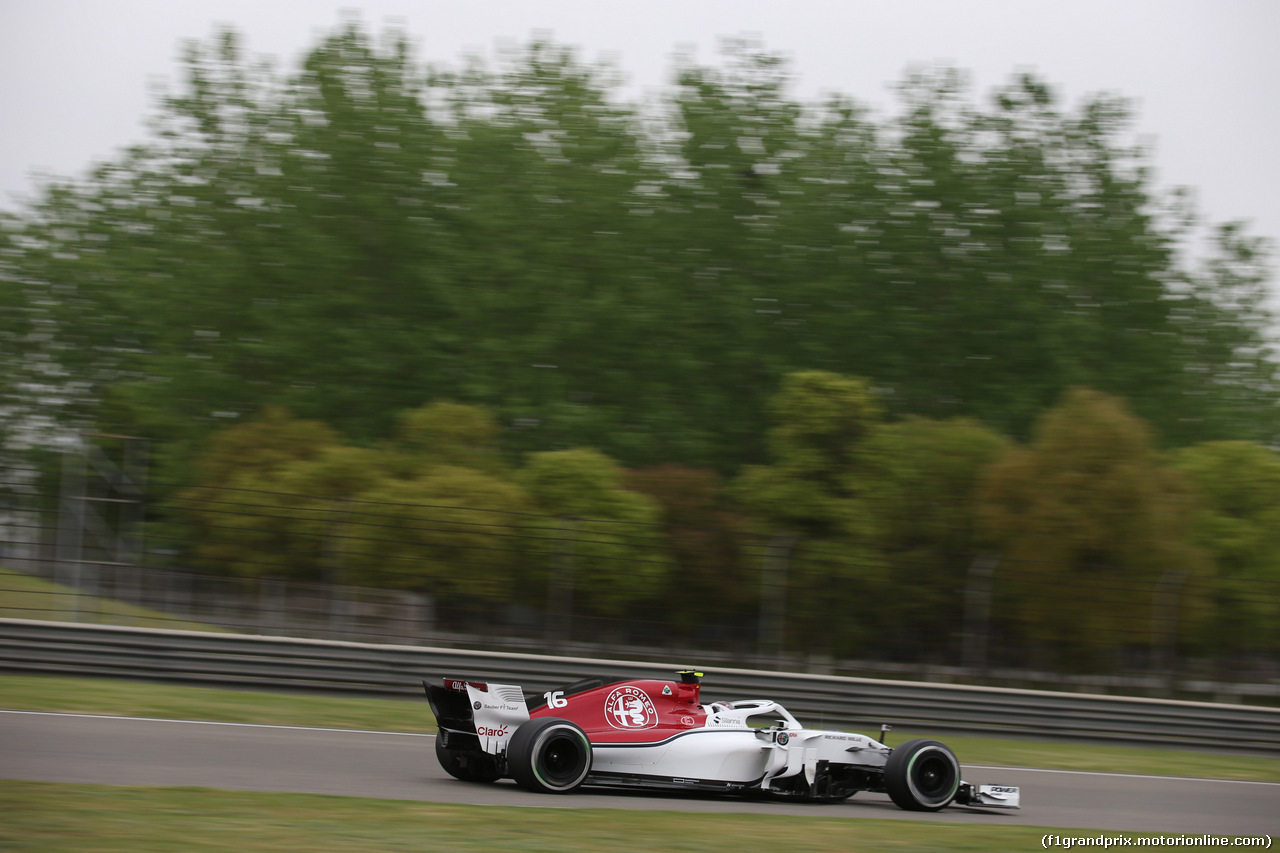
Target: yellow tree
447	433
284	497
452	532
1093	532
263	503
440	513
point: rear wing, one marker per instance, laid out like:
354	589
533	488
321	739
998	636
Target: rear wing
489	712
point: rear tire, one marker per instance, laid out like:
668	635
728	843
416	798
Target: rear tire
922	776
549	755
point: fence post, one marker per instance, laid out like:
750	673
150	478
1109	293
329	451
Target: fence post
773	594
121	543
70	543
977	611
424	615
559	627
273	594
334	567
1164	626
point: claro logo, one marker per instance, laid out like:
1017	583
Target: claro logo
485	731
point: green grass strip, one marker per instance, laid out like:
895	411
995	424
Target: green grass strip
26	597
51	818
171	701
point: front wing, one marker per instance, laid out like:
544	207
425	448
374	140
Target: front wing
989	796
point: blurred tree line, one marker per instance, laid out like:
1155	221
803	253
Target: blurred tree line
1089	544
272	285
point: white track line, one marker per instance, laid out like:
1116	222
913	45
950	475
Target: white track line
1118	775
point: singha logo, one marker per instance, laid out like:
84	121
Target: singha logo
630	708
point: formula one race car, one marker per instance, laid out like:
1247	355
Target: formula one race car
657	735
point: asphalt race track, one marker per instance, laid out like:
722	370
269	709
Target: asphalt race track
131	751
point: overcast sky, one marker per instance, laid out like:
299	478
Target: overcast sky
77	76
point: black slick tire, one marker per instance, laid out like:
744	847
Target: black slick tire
549	755
922	776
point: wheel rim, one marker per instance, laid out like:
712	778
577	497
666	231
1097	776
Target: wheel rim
561	758
933	776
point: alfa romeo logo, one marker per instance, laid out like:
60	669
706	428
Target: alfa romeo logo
630	708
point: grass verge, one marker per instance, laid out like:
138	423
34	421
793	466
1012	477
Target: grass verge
25	597
171	701
98	819
126	698
1102	758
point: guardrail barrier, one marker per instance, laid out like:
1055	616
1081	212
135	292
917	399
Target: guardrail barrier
829	701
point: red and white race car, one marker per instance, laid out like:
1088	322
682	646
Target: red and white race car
658	735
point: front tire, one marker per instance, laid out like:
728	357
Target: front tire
922	776
549	755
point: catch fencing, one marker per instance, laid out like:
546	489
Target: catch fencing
861	704
86	550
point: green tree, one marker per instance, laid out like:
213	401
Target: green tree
604	539
808	501
1092	530
1228	385
540	314
819	422
919	480
1237	522
357	234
